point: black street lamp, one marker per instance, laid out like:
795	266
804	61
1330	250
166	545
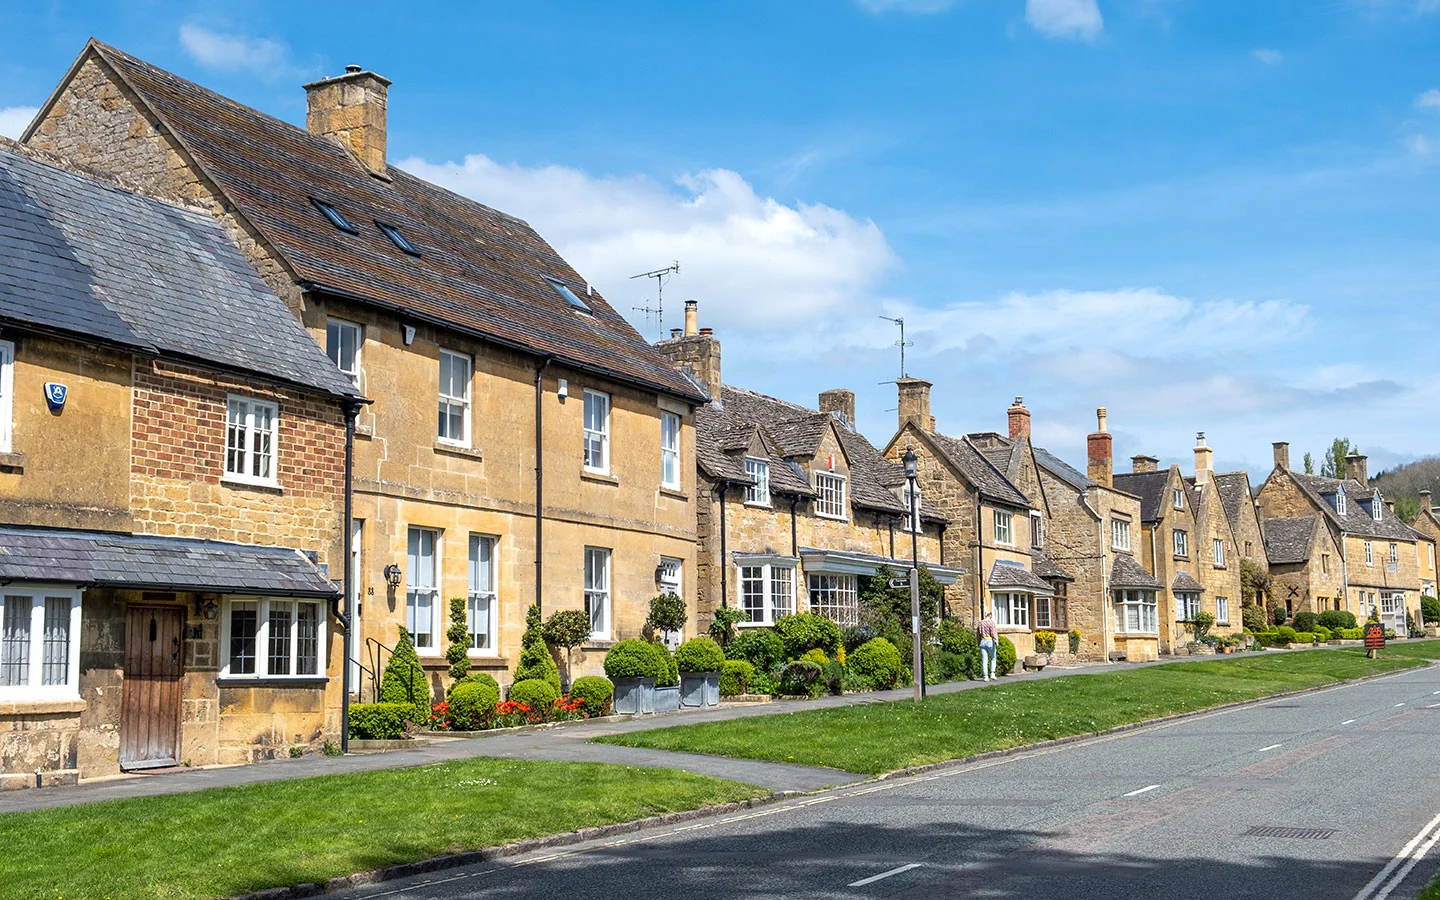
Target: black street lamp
912	470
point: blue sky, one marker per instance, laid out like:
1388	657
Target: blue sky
1206	216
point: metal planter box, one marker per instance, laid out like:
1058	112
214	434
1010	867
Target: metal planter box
635	696
667	699
698	689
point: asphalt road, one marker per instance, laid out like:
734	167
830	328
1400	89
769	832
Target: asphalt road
1165	812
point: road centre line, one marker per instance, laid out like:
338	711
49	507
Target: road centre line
1271	747
1387	879
1397	706
896	871
1347	721
1142	790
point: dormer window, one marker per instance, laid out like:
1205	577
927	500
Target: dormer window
570	296
1376	505
334	216
397	238
1340	499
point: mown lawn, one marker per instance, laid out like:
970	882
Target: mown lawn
228	841
882	737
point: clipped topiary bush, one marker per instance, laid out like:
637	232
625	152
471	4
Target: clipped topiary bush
1004	656
539	695
671	675
801	678
634	658
699	654
667	613
760	647
472	706
1304	637
595	692
404	681
1352	634
380	721
807	631
1306	621
1429	609
735	675
1336	619
878	662
536	660
476	678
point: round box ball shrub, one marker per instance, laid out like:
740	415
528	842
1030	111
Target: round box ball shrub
472	705
1004	656
699	654
534	693
671	673
1336	619
878	662
807	631
760	647
1306	621
634	658
475	678
735	676
1285	634
594	692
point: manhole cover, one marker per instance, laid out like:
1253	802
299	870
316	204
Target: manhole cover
1280	831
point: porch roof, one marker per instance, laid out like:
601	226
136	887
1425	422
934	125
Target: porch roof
844	562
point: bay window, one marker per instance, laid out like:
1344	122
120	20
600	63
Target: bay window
1136	611
1011	609
835	597
767	592
267	638
39	643
1187	604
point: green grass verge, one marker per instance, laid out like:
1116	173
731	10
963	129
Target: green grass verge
882	737
227	841
1431	890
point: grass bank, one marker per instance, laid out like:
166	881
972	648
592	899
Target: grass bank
882	737
228	841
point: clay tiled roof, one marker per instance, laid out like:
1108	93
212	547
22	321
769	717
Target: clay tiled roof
1013	575
1150	488
479	271
1357	519
1184	582
979	471
1289	540
1127	573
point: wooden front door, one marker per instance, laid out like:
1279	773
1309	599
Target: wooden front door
150	712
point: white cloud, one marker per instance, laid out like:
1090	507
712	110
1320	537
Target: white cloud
1429	99
1078	19
13	119
237	53
1420	145
752	261
1269	56
915	7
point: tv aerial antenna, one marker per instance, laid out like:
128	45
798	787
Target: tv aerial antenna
658	310
902	343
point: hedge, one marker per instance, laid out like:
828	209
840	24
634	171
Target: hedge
735	677
595	692
878	662
472	705
699	654
807	631
380	721
634	658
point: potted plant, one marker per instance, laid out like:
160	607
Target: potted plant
667	683
699	660
1044	646
634	665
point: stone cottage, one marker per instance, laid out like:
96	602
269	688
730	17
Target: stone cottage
1428	525
1216	551
1165	549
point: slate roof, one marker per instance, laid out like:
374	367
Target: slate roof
479	271
1356	520
1045	567
157	563
1127	573
1018	577
1185	582
83	257
1289	540
1150	488
1234	488
979	471
1062	470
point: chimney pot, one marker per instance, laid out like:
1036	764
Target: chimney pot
692	317
353	69
674	333
1019	418
1100	416
1282	454
706	332
1100	453
1204	460
351	108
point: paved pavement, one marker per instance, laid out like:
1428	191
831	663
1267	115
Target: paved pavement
1170	811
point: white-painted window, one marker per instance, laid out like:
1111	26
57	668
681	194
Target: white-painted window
1340	499
836	597
481	606
597	432
757	494
1177	498
270	638
1012	609
1219	551
1003	527
1136	611
1430	554
1222	610
1182	543
422	597
1376	506
1187	604
1369	554
670	450
343	341
454	425
7	393
39	643
597	591
1394	554
252	435
830	501
1037	530
1119	534
767	592
912	523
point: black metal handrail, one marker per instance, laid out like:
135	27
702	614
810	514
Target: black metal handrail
375	677
374	690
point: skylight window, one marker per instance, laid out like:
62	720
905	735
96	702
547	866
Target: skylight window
563	290
334	216
399	239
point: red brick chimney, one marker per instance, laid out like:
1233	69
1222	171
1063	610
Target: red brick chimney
1100	452
1019	418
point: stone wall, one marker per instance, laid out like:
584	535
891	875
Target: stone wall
1211	524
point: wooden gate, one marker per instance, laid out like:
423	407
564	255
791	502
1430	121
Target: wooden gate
150	712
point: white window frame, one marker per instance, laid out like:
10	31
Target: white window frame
34	687
421	585
335	351
1003	524
1222	610
1037	531
1394	554
480	574
774	602
449	401
1119	535
1011	610
7	394
1177	498
251	437
1377	506
263	608
1369	554
1217	546
1187	604
1430	554
598	593
831	494
670	450
757	494
912	523
596	439
1340	499
1143	604
1181	542
835	596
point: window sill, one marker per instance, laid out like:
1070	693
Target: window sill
458	450
753	624
41	706
12	462
759	505
1014	629
597	644
1181	558
364	431
272	681
820	515
272	487
599	477
489	662
677	493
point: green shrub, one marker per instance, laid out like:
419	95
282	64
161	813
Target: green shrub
667	613
595	692
833	677
1074	641
1265	638
1253	617
1305	621
817	656
735	677
761	683
539	695
1429	608
1201	623
1277	613
1336	619
671	676
457	651
1044	642
957	666
472	706
854	636
1352	634
476	678
1004	656
634	658
1304	637
1322	633
957	638
1285	634
567	629
801	678
380	721
760	647
536	660
404	681
807	631
699	654
879	662
722	627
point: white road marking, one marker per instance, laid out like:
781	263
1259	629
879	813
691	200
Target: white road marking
1142	790
1397	706
1347	721
1271	747
864	881
1388	878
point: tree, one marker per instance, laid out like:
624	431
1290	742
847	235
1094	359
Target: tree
458	634
1254	581
1407	508
886	609
403	680
667	613
1309	464
568	628
536	660
1334	465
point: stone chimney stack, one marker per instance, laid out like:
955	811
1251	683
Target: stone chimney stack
1282	455
915	403
1019	418
1143	463
351	108
1204	460
1425	506
697	350
1355	467
1100	453
839	401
